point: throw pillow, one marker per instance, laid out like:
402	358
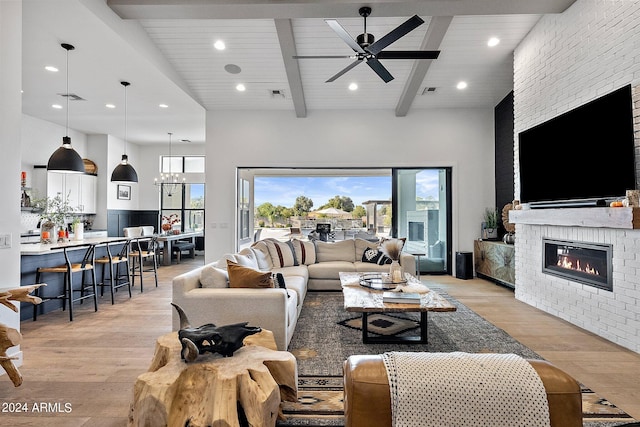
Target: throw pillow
212	277
261	251
305	251
247	258
246	277
282	253
374	256
279	280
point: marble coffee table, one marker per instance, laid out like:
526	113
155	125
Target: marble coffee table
365	300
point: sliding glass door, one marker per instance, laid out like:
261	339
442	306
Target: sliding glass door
422	214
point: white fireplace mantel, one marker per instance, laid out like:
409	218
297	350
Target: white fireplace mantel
625	218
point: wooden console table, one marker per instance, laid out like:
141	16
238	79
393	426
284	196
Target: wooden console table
495	261
209	391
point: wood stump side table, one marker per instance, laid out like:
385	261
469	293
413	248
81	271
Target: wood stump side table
208	391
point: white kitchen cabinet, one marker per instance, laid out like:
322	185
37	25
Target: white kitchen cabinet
79	188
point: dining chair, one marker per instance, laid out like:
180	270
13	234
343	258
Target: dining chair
139	253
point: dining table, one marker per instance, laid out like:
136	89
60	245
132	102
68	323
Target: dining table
169	238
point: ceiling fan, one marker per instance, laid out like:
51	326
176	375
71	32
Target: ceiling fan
371	51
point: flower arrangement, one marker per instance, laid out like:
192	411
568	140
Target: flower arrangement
392	248
55	210
169	221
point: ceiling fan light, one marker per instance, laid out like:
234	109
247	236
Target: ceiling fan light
65	159
124	172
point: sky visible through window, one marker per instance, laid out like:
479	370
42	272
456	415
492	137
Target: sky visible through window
284	190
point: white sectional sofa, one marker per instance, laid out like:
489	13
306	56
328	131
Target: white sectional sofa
206	296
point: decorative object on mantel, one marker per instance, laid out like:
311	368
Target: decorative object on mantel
10	337
510	237
489	228
211	338
65	159
392	249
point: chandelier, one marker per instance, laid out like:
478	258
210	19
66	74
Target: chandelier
169	182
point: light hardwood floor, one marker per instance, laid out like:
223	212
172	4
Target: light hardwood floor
91	363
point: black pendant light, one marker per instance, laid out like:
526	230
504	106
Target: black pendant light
65	159
124	172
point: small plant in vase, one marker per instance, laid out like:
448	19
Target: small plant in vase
490	224
55	212
392	248
169	221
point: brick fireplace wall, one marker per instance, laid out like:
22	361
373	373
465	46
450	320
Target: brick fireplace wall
565	61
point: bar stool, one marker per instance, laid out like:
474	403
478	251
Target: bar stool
138	254
116	278
68	268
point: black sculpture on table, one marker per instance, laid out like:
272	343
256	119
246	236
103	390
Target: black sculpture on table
224	340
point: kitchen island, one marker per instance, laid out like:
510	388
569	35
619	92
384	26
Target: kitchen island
36	255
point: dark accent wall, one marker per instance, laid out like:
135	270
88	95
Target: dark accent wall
119	219
503	122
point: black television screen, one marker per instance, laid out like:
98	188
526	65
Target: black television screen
586	154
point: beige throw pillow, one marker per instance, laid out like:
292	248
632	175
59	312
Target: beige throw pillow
212	277
245	277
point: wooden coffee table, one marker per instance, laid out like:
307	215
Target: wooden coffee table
365	300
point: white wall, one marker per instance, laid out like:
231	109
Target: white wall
10	115
461	138
572	58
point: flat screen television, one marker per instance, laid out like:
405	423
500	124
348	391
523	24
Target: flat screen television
581	157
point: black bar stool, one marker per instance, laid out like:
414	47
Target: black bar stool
68	268
116	279
143	248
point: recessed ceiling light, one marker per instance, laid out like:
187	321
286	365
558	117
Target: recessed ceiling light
353	86
219	44
493	41
163	106
51	68
461	85
240	87
56	106
109	105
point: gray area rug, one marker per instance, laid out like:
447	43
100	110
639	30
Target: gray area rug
319	333
326	335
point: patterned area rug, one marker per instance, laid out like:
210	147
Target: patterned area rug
326	335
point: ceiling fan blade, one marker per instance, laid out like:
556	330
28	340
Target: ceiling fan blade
401	30
323	57
344	70
344	35
380	69
408	54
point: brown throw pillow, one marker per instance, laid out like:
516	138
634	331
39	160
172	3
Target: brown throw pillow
246	277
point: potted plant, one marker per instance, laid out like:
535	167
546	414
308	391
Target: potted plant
53	217
490	224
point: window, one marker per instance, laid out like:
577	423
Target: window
182	164
187	202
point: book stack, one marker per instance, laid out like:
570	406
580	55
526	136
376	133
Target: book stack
401	297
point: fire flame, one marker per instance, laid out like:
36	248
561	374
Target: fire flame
567	263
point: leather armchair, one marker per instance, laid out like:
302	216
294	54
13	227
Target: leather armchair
367	399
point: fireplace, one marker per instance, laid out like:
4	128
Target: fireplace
587	263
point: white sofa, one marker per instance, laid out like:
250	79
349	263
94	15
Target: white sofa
205	296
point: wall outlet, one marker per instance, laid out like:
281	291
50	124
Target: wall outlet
5	241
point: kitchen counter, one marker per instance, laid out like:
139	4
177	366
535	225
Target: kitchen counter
34	237
49	248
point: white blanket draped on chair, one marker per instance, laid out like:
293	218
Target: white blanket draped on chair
461	389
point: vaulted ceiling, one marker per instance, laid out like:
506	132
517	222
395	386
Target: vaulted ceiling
165	49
